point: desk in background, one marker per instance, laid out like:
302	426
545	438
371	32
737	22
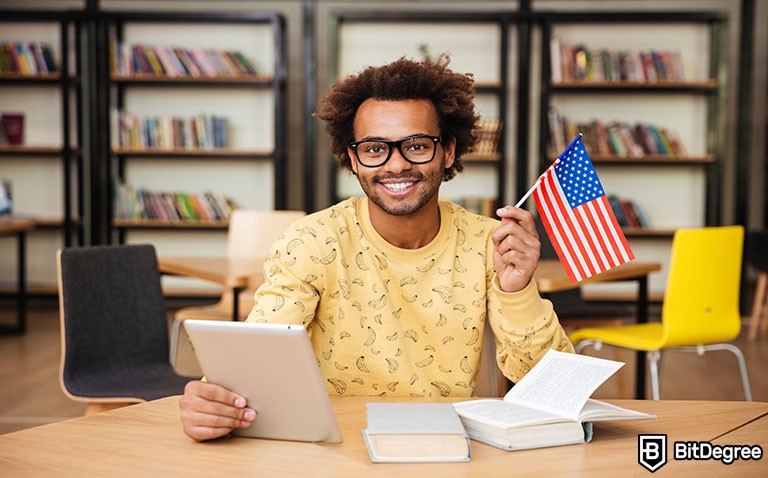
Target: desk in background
18	227
147	440
551	277
232	274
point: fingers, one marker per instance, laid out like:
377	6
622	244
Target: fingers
510	214
516	248
210	411
517	232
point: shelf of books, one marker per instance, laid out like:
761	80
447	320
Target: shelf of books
646	92
196	121
477	43
40	160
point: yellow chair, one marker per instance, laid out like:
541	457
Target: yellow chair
250	234
700	311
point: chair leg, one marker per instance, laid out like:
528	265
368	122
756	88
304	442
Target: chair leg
742	366
764	320
586	343
653	364
759	308
700	349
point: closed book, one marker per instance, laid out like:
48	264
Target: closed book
642	214
618	211
415	432
155	65
248	64
48	56
189	64
141	61
13	127
37	56
629	213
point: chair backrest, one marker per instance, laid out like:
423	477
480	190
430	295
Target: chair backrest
701	302
251	233
112	310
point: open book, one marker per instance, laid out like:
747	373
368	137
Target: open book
550	406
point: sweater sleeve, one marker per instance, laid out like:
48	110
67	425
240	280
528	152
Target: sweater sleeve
525	326
290	292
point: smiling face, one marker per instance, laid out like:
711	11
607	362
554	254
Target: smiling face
398	187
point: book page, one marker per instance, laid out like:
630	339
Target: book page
504	413
595	410
561	382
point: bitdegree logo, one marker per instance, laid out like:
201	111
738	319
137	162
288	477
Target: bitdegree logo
702	450
652	451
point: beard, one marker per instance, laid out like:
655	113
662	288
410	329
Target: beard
428	186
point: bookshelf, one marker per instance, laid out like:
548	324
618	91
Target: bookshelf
45	170
168	152
677	189
478	43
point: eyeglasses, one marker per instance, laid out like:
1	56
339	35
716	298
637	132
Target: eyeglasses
417	149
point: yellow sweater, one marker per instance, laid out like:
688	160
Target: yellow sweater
400	322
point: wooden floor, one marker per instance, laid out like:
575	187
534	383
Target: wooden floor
30	394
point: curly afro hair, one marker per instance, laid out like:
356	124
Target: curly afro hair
452	95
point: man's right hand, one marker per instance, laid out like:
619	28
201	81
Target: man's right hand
210	411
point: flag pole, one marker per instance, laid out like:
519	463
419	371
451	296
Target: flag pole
538	181
528	194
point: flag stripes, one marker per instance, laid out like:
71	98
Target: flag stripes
587	238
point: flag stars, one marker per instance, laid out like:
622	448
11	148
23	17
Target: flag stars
578	177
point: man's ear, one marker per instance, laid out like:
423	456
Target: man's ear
352	163
450	152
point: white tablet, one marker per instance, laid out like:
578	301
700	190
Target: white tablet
274	367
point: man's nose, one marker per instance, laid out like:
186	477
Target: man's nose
397	161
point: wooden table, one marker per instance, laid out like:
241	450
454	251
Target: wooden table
147	440
551	277
19	227
235	274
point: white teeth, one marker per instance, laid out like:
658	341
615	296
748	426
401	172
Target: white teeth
397	186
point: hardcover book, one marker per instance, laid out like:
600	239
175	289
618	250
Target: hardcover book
13	127
550	406
415	432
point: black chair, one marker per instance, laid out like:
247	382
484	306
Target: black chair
114	327
756	255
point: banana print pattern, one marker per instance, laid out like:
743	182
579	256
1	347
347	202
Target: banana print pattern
391	322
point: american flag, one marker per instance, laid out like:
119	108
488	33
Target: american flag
578	217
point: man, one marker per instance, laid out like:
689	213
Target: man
395	287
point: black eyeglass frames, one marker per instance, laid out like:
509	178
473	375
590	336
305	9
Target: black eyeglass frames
417	149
